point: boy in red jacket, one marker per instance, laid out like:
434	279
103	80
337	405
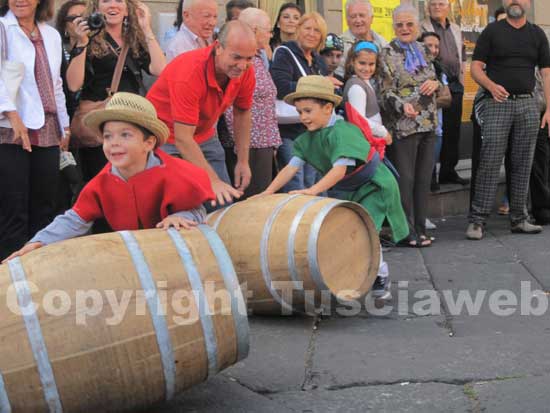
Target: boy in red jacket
141	186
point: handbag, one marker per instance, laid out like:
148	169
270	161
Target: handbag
11	72
82	136
287	114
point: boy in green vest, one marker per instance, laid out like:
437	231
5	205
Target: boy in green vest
351	171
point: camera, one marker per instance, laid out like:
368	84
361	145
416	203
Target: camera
96	21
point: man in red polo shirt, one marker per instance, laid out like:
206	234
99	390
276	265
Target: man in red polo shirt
195	89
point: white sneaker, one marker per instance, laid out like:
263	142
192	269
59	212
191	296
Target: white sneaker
430	224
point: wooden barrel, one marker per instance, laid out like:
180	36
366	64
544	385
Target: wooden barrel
185	320
293	251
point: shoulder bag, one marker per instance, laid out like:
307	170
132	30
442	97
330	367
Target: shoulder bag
82	136
287	114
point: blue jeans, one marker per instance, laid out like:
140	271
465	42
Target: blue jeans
304	178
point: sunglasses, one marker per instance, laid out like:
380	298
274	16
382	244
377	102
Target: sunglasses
72	18
400	25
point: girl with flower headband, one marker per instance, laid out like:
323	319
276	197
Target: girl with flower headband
361	65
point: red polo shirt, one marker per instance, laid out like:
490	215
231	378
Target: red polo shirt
187	92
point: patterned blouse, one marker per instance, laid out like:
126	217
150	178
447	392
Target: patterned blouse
397	87
264	132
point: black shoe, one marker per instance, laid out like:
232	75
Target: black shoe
453	179
381	288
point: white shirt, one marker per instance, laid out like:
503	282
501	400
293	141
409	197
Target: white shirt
20	49
357	97
184	41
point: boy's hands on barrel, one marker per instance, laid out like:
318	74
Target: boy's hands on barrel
26	249
176	222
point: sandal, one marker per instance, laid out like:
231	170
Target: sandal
412	242
425	241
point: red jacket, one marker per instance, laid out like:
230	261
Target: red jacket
147	197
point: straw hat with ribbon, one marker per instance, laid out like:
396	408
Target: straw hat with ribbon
131	108
314	86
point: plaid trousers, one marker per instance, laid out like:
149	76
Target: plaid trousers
514	123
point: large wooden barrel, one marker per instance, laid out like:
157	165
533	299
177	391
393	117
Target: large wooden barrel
293	251
185	320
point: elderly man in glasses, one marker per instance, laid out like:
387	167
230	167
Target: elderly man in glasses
359	15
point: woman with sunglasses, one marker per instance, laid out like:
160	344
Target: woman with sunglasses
65	25
408	89
94	58
70	180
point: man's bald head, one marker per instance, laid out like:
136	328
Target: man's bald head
236	48
190	4
236	32
200	17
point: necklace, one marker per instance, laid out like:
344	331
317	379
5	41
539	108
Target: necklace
31	33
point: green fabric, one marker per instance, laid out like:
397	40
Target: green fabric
380	196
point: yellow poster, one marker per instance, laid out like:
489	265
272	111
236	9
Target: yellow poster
382	22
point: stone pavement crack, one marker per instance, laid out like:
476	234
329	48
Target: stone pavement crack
261	392
520	261
309	374
403	382
448	325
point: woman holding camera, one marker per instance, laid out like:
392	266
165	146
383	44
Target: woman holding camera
33	126
94	58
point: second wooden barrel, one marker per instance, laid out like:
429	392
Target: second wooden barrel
295	251
122	321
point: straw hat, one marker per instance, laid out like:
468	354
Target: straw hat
131	108
314	86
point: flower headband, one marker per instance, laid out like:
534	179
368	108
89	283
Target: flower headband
366	46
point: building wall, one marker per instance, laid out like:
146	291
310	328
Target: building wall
542	15
332	11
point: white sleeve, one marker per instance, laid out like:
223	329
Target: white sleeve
345	162
357	97
296	162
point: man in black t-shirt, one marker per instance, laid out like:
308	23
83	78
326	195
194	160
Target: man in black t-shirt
504	62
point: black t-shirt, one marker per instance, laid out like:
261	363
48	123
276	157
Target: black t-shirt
100	71
511	54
